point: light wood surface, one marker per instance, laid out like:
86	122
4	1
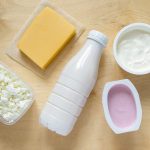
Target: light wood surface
91	131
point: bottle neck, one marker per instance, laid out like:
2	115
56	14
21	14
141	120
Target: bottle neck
83	67
93	47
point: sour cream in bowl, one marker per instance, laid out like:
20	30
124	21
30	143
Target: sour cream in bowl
131	48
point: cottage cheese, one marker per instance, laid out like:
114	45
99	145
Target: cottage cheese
15	96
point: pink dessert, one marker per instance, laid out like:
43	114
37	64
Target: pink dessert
121	105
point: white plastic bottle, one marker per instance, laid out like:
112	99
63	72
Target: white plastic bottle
74	86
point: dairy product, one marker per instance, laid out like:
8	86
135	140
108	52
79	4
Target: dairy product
15	96
45	37
74	86
121	105
134	50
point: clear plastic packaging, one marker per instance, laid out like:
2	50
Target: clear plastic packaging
14	53
16	97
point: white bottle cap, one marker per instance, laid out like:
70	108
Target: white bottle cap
98	36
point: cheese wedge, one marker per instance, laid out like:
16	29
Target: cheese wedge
47	34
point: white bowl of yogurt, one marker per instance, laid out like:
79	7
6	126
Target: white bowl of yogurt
131	48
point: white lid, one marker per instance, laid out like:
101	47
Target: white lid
98	36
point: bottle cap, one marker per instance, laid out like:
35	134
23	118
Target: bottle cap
98	36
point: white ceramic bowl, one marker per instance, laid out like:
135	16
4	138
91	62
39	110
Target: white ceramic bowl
121	33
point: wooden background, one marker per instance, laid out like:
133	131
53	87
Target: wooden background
91	131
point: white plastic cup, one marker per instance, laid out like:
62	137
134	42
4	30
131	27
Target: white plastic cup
135	125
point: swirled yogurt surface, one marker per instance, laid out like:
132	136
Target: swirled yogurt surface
134	50
15	96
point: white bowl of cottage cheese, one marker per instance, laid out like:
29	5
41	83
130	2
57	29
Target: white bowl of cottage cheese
131	48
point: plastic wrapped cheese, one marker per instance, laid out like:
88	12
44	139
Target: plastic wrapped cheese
14	52
15	96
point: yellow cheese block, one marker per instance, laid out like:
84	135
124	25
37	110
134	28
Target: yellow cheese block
48	33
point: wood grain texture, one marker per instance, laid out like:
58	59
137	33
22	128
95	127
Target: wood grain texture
91	131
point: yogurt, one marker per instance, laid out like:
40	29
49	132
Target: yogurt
122	107
134	50
131	48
